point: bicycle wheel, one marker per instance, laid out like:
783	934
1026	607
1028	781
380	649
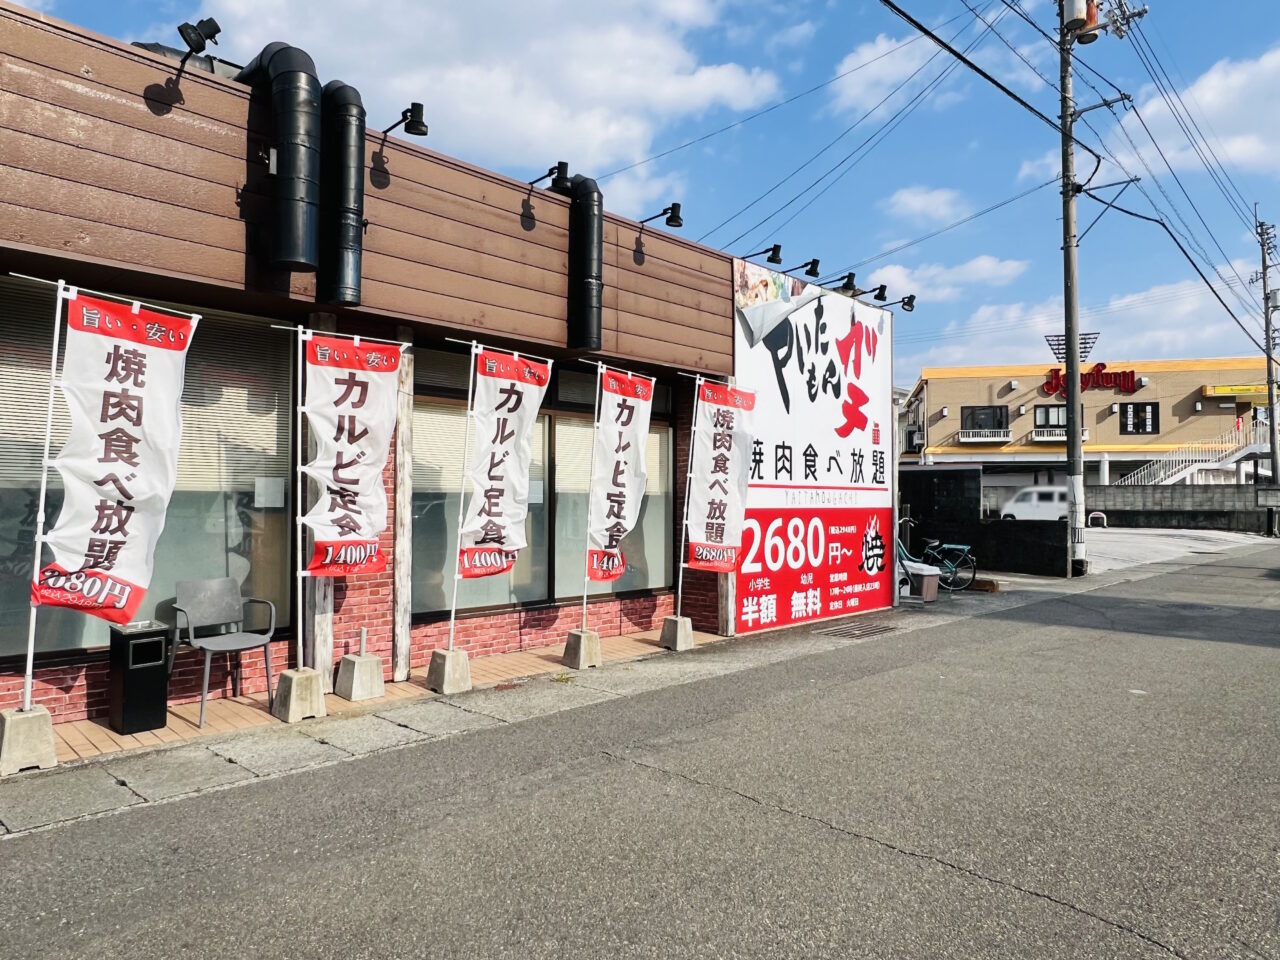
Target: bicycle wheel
958	571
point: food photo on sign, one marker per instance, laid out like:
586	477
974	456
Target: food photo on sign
818	529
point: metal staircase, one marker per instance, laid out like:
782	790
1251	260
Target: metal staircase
1224	451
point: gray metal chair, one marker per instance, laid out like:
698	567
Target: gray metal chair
212	613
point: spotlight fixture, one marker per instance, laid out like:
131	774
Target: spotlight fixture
194	35
559	176
811	268
672	213
411	117
774	252
908	303
849	287
880	293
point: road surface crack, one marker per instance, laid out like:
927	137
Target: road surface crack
903	851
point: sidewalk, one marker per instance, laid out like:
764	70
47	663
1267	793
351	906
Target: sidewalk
242	744
87	739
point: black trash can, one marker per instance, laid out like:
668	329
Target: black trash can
139	676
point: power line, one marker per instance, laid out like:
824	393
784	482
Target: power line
777	106
870	144
1220	176
840	136
836	274
1015	5
1013	49
1212	289
1186	130
1086	313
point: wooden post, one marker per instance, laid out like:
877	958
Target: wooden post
319	590
402	588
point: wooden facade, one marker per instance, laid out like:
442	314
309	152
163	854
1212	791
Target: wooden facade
111	160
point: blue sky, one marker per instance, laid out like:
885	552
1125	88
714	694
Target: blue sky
516	87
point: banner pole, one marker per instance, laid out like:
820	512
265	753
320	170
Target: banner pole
29	676
688	486
462	494
591	483
300	540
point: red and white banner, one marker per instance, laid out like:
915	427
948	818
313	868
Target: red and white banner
504	409
718	476
351	407
122	377
818	536
619	473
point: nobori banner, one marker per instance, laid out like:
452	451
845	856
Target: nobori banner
818	533
504	410
351	407
122	376
619	473
718	476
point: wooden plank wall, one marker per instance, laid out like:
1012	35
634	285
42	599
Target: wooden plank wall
104	158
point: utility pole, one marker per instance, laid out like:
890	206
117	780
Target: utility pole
1077	549
1267	239
1082	30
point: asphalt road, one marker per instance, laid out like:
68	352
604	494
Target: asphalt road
1087	776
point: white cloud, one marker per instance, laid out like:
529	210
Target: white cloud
873	81
520	87
796	35
1048	164
1166	321
935	283
922	205
1227	101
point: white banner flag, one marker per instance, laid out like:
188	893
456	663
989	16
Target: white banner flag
351	406
619	474
504	407
122	377
719	476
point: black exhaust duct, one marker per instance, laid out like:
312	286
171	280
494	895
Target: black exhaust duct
586	263
295	103
342	195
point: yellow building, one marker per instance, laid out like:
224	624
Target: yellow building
1011	420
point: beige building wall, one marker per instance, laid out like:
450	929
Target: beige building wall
1176	385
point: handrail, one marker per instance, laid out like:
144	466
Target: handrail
1198	453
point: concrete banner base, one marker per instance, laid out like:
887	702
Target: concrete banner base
450	672
26	740
677	633
582	650
299	696
360	677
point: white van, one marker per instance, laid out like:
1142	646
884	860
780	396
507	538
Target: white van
1036	503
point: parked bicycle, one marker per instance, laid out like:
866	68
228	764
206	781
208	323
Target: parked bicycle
957	565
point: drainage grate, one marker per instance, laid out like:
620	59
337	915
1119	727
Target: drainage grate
859	630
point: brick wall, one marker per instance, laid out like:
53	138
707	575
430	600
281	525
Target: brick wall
74	686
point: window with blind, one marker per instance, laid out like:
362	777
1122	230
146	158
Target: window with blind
438	440
647	548
231	509
552	567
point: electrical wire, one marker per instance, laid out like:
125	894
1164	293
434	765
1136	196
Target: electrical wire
898	248
777	106
849	162
1197	139
1032	319
1250	308
830	144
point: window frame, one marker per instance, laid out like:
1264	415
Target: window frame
554	409
1047	408
967	411
1136	407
